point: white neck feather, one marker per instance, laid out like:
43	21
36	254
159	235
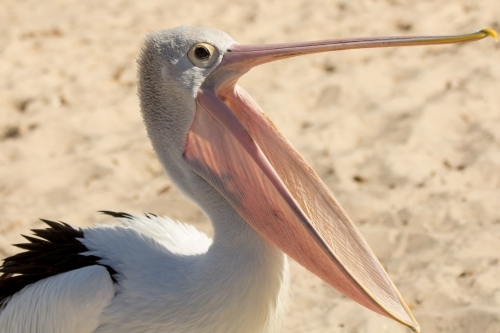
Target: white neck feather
250	274
239	284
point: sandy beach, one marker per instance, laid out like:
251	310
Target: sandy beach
407	139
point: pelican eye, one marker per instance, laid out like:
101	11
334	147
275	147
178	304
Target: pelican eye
203	55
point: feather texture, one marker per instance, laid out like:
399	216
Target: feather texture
56	249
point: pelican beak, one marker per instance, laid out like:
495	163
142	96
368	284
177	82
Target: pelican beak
238	150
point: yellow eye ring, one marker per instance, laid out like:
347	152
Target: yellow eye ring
203	55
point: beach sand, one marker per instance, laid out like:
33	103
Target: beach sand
407	139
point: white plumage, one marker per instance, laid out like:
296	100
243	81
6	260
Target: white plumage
68	302
169	282
168	275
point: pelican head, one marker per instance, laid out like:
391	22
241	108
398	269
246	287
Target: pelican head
218	146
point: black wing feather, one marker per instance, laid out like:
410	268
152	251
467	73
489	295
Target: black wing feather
56	250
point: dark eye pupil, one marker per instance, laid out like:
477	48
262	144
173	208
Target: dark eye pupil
201	53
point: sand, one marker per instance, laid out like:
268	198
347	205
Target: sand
407	139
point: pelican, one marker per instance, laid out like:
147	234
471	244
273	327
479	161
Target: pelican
154	274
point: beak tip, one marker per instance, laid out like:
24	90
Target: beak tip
490	32
415	328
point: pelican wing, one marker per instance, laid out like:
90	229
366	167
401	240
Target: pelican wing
67	302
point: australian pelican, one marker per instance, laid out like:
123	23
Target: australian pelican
157	275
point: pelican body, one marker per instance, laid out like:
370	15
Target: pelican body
154	274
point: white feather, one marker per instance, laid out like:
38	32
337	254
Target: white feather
179	238
216	290
68	302
161	287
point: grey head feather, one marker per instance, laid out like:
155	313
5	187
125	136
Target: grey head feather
168	81
167	86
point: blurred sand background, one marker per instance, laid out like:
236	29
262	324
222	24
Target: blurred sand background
408	139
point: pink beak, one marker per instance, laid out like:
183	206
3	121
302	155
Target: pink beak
238	150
